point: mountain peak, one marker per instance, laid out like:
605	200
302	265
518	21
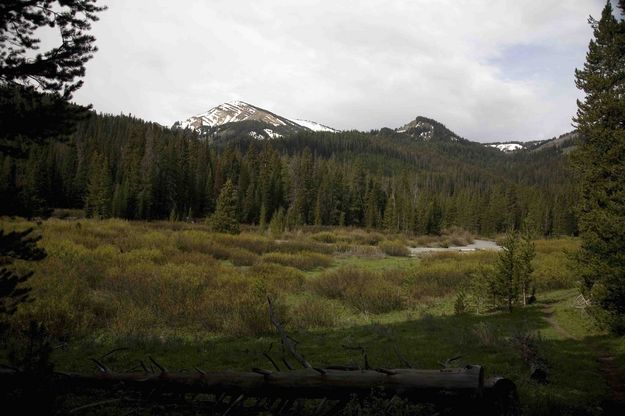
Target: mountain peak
426	129
238	111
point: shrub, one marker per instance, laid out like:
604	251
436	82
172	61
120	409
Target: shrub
295	246
485	335
358	250
278	278
324	237
553	271
313	312
457	236
237	305
394	248
242	257
460	305
364	290
254	243
303	260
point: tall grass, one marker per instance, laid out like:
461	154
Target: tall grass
364	290
394	248
132	278
303	260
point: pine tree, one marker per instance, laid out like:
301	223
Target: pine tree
507	270
600	164
37	113
278	222
225	218
59	69
35	84
527	252
98	197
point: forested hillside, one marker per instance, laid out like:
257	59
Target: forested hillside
119	166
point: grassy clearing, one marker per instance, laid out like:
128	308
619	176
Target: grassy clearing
120	277
191	297
576	386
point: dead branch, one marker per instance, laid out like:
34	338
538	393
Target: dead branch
287	342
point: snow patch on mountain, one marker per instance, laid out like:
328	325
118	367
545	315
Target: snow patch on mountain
507	147
313	125
272	133
233	112
237	111
421	130
256	136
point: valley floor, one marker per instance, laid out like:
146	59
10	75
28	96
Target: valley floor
190	298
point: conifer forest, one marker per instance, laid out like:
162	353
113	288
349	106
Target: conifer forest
447	237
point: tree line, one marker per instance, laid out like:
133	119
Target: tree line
120	166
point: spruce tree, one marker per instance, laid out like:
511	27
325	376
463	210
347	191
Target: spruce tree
225	218
34	92
600	164
527	252
506	275
98	197
59	69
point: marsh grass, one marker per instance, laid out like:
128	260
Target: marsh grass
119	277
187	296
371	292
304	260
452	236
394	248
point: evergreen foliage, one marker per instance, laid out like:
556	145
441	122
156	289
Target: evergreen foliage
15	245
348	178
98	197
600	164
512	276
527	252
225	219
507	270
59	69
35	88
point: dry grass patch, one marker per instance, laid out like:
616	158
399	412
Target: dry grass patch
364	290
394	248
304	260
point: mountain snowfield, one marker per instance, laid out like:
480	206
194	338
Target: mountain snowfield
216	121
507	147
237	111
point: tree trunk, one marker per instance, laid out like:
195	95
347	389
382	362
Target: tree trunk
306	383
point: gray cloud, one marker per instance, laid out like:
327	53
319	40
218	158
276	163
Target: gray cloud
348	64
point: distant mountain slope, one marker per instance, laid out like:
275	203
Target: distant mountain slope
260	123
381	179
565	142
507	146
426	129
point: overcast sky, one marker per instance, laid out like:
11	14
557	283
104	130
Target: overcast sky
489	70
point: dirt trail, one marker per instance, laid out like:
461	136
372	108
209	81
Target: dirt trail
615	405
551	320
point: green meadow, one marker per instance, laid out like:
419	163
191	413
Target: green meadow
192	298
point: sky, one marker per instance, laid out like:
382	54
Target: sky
488	70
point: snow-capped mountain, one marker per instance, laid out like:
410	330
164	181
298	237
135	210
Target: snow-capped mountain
262	123
507	147
426	129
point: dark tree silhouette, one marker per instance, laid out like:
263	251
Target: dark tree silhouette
600	164
35	87
37	84
57	70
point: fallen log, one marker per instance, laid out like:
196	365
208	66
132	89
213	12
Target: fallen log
463	389
306	383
